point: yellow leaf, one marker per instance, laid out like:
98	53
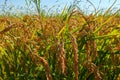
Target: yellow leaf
2	26
2	52
61	31
33	34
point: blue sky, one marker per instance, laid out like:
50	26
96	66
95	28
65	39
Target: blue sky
59	4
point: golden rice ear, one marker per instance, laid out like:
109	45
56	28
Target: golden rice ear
75	51
37	59
7	28
93	69
11	26
61	58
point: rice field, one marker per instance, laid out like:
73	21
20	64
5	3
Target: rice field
66	46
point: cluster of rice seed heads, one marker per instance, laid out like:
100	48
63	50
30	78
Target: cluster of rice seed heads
8	28
11	26
37	59
61	58
94	46
75	50
93	69
90	45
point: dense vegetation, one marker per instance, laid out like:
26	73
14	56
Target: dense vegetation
66	46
